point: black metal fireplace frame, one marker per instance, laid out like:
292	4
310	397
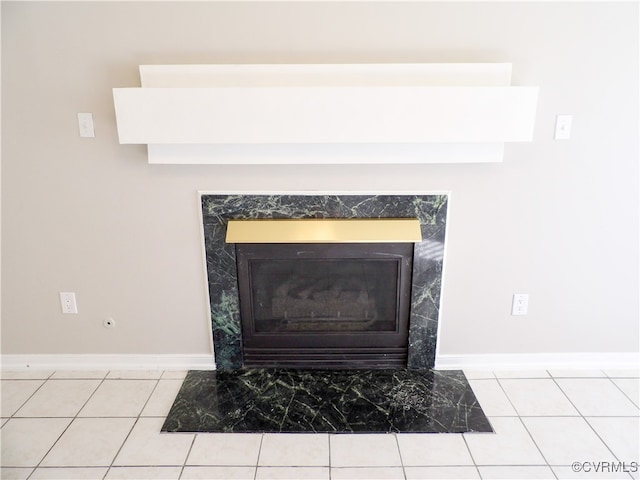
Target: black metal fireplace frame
337	349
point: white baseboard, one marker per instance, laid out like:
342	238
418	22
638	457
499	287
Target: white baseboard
539	361
107	362
500	361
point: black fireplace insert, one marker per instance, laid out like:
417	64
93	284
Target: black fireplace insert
342	305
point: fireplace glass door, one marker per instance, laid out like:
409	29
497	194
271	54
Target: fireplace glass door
325	305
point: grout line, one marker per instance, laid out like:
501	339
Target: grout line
627	377
73	419
82	417
255	472
149	398
404	473
537	446
508	397
613	380
602	439
137	419
525	426
585	420
29	398
184	465
492	377
471	453
110	466
329	444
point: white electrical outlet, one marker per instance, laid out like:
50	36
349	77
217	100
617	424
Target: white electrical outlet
68	302
520	304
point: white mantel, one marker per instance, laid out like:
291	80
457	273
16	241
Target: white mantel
369	113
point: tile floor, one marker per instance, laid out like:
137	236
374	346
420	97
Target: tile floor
106	425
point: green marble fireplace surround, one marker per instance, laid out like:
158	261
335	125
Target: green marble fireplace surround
218	209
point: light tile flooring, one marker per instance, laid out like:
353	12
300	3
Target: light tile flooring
106	425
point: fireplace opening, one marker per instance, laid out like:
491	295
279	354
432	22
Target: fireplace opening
338	305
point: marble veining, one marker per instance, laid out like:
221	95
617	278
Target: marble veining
221	263
334	401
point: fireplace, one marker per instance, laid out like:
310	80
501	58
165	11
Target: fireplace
337	305
218	210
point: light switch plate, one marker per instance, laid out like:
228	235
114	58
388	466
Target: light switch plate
85	125
563	127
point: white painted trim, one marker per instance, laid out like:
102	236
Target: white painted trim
325	114
538	361
324	74
307	1
320	115
324	192
325	154
445	250
205	275
107	362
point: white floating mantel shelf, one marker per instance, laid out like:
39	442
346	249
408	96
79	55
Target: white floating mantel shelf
352	113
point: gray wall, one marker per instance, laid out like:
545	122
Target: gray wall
557	220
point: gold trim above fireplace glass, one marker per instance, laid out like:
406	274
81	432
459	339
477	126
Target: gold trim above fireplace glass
324	230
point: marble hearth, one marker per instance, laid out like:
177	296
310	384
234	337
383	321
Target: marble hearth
218	209
331	401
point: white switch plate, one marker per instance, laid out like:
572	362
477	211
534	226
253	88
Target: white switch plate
68	302
85	125
563	127
520	304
